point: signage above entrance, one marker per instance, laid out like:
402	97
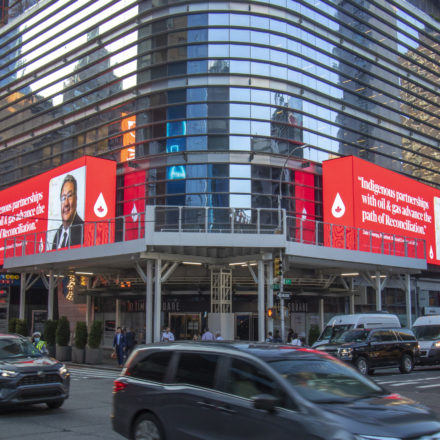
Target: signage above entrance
359	194
64	207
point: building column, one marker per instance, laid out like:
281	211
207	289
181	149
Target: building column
408	301
157	300
321	313
378	292
22	309
89	306
118	314
149	304
269	301
261	284
50	295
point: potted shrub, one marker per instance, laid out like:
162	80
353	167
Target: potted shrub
313	334
63	351
78	350
12	325
21	327
49	335
93	351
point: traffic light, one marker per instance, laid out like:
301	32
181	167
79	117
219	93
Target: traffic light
270	313
277	267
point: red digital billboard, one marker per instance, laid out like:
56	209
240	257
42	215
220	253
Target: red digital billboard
364	197
68	206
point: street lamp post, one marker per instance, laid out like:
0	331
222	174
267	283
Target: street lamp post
281	280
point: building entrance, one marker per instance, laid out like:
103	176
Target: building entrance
185	325
246	327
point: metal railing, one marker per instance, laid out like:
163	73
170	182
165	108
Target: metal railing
217	220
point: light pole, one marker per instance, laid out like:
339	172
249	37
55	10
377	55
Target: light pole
281	279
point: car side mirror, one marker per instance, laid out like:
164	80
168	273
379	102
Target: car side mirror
265	402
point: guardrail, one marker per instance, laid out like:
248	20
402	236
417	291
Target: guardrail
217	220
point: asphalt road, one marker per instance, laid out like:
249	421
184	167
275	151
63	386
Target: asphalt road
86	414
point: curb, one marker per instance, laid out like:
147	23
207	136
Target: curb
95	366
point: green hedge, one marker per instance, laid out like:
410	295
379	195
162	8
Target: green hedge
95	335
313	333
81	335
21	327
63	332
12	325
50	332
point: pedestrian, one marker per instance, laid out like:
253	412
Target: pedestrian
38	343
119	345
289	335
130	341
196	337
269	337
207	335
218	336
277	337
295	340
167	335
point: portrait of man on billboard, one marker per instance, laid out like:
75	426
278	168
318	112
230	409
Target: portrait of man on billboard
71	231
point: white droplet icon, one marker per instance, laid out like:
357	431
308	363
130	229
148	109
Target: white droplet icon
338	208
431	253
134	213
304	214
100	207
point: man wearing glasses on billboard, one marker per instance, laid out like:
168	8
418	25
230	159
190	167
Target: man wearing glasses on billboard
70	233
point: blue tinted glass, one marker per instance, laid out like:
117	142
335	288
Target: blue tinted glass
197	35
197	20
198	51
197	94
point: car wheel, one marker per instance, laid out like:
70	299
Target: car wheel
362	365
406	364
54	404
147	427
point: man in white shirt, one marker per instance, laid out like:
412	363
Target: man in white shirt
167	335
208	336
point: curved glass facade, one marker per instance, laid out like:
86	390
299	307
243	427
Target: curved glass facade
221	102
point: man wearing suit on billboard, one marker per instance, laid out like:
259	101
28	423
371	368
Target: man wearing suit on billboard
70	233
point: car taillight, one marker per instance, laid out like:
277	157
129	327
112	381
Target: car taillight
119	386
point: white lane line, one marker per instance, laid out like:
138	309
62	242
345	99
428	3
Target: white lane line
409	381
429	386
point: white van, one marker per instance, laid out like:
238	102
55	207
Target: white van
427	331
341	323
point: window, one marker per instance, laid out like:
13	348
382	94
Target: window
405	335
153	367
246	380
196	369
383	336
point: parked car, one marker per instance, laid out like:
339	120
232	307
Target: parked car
427	331
252	391
342	323
28	377
368	349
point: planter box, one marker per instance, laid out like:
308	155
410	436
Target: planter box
52	350
93	355
63	353
78	355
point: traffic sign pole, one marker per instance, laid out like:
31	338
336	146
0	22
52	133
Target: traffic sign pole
281	298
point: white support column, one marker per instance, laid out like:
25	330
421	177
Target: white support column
50	295
261	283
22	309
157	299
118	314
378	292
269	302
321	314
149	304
408	301
351	304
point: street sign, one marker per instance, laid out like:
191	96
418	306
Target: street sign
275	286
283	295
287	281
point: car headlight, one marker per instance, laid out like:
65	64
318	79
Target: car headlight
436	344
376	437
8	373
345	351
63	370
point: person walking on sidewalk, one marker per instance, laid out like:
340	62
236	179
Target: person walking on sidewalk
119	345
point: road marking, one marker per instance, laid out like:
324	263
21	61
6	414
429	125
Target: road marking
429	386
91	373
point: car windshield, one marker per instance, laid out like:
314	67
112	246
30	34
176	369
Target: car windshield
324	380
358	335
333	331
427	332
15	348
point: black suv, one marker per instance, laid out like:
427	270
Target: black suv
28	377
368	349
252	391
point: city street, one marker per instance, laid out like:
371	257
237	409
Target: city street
86	414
